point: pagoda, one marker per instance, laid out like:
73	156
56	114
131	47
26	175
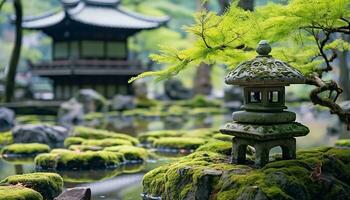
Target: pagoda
90	46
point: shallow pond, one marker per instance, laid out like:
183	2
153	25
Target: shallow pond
125	183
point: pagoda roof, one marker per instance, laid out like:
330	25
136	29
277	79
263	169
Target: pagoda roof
95	13
264	70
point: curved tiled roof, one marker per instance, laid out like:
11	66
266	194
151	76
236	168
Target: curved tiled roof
100	13
264	70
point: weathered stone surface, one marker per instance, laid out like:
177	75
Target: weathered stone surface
264	117
7	119
265	132
53	136
70	113
91	100
122	102
79	193
140	89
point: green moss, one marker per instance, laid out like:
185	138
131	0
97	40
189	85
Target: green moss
223	137
73	140
200	101
94	115
178	143
221	147
6	138
18	192
36	119
207	111
343	143
146	102
107	142
207	173
150	137
25	149
85	148
49	185
74	160
91	133
130	153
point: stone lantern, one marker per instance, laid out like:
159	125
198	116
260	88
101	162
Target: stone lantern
264	123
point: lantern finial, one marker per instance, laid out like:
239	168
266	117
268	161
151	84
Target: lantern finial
263	48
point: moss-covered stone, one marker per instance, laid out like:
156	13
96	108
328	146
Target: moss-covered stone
220	136
91	133
74	160
178	143
151	136
85	148
146	102
130	153
221	147
18	192
28	149
36	119
73	141
200	101
49	185
6	138
107	142
343	143
322	173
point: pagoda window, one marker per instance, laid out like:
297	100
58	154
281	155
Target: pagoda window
255	97
74	49
116	50
61	50
92	49
274	96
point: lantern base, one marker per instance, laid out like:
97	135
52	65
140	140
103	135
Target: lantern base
262	149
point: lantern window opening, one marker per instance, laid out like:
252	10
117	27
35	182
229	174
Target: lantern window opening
274	96
255	97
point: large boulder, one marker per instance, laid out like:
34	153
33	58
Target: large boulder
91	100
53	136
122	102
175	90
7	119
70	113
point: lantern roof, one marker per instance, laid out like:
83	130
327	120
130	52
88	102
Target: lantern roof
264	70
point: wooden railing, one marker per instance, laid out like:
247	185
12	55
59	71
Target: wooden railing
86	67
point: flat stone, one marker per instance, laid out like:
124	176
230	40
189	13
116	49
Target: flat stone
75	194
265	132
264	118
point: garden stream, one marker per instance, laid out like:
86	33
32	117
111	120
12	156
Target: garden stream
126	183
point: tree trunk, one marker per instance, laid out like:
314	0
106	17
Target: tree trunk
344	72
202	80
246	4
10	83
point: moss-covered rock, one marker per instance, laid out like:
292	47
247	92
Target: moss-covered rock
73	141
200	101
151	136
107	142
316	174
221	147
18	192
6	138
343	143
74	160
49	185
85	148
130	153
91	133
178	143
28	149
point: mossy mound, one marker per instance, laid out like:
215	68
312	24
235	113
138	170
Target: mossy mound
36	119
107	142
343	143
151	136
85	148
130	153
178	143
49	185
17	192
6	138
316	174
73	141
74	160
199	101
28	149
91	133
221	147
